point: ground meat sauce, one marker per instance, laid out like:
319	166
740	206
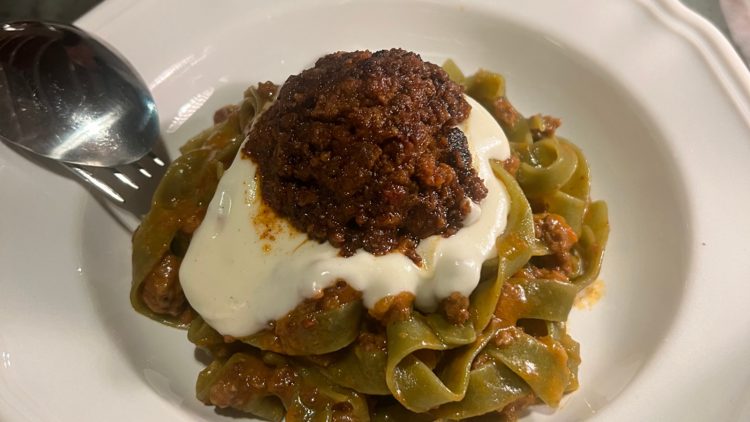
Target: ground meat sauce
511	165
222	114
504	112
251	379
162	292
333	297
372	342
558	237
543	127
456	308
512	411
362	151
241	384
396	308
529	271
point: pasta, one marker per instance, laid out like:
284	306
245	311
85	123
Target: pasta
513	349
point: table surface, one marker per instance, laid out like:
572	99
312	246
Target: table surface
70	10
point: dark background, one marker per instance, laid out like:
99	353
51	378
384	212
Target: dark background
56	10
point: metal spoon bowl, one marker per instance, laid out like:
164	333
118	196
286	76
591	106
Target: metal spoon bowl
65	96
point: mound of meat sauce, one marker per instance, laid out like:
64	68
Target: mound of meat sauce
357	151
362	151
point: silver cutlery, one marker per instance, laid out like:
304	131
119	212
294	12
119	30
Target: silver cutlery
66	96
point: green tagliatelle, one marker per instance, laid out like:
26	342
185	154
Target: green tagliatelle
334	330
294	389
513	348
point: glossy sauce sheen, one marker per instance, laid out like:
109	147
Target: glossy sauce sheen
245	267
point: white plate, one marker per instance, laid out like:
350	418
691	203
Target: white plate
652	93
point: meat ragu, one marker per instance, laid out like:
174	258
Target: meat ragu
361	151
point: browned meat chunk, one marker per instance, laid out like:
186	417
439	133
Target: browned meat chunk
511	165
343	412
552	230
459	155
543	127
338	295
161	290
480	361
558	237
505	113
372	342
512	411
266	90
393	308
456	308
431	358
283	382
531	272
241	384
222	114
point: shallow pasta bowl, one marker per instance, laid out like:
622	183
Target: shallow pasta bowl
654	96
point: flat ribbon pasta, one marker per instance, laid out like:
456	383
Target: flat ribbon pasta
514	248
334	330
360	368
514	346
293	390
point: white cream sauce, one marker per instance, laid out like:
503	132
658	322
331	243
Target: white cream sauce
246	267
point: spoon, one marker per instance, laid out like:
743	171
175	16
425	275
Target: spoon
66	96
